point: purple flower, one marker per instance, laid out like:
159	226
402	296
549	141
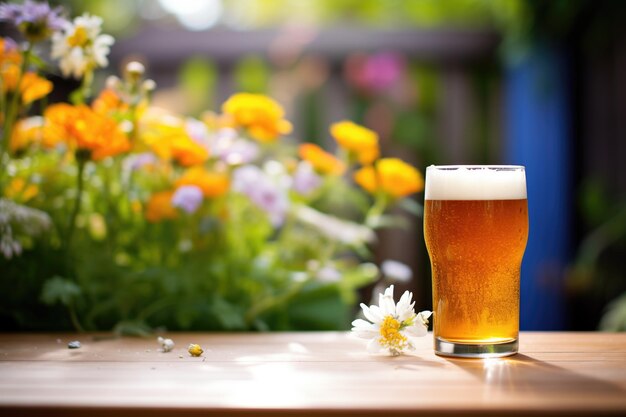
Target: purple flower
245	177
138	161
272	200
382	71
375	73
9	45
37	21
188	198
197	131
231	149
305	180
263	191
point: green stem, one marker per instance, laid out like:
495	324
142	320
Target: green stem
377	209
269	303
74	318
12	111
86	85
80	183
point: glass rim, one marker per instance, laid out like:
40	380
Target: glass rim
477	167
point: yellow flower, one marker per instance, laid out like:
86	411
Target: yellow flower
212	184
216	121
195	350
391	176
159	207
187	151
19	190
82	129
262	116
167	136
357	140
321	160
25	132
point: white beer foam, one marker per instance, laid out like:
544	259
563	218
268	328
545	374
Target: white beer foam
469	182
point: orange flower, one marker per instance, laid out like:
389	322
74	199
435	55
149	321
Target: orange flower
358	140
262	116
321	160
160	207
10	74
108	101
33	87
212	184
391	176
25	132
82	129
9	54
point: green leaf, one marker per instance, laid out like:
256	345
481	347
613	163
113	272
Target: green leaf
59	290
355	278
227	314
364	274
614	320
77	96
37	62
319	307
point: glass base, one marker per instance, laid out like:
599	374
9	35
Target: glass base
468	350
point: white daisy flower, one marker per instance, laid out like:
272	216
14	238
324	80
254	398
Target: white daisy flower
391	326
80	47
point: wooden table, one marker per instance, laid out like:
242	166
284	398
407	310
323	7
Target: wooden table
296	374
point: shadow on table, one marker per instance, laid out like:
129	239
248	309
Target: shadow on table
522	373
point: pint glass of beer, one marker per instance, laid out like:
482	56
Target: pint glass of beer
476	228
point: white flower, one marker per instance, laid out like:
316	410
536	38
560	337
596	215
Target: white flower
396	271
166	344
335	228
80	47
391	326
328	274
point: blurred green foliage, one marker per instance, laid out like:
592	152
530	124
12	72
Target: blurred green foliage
252	75
597	272
256	14
197	80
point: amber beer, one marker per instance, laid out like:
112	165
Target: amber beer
476	228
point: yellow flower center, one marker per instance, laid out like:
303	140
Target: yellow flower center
80	38
390	336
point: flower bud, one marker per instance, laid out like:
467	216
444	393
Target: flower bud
135	70
149	85
112	82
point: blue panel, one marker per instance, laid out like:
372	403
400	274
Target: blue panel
538	136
